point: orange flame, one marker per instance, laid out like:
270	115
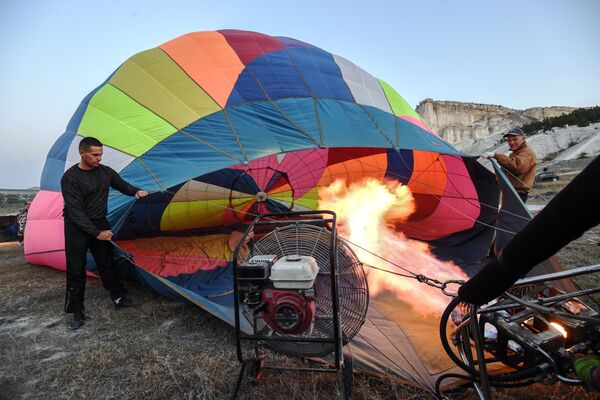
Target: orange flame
365	211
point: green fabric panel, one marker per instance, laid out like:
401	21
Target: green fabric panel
154	80
120	122
399	105
310	199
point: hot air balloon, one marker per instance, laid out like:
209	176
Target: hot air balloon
221	126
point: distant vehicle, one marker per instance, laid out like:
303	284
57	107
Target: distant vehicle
546	176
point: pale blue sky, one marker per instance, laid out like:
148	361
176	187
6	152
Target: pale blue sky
518	54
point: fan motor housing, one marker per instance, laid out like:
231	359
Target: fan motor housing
289	311
283	288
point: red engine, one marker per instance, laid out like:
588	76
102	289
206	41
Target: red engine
289	311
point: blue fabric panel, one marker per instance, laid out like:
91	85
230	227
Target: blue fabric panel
233	179
119	206
272	73
345	124
150	282
286	74
275	206
277	176
415	138
206	282
180	158
384	122
292	43
216	130
321	72
400	165
144	218
55	162
302	113
137	175
264	131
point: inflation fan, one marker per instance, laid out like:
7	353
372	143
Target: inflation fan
299	291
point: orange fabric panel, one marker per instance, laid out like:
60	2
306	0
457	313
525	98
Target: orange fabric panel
429	173
356	170
209	60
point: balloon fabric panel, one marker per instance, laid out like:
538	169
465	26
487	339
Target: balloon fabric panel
209	60
156	82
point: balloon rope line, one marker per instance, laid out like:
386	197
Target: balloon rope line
535	192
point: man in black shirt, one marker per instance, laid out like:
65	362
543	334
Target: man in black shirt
85	189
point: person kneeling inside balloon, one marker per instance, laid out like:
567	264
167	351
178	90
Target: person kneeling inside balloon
566	217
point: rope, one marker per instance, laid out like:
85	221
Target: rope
531	188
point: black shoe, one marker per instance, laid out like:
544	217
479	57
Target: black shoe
77	321
122	302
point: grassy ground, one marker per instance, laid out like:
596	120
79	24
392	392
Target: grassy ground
160	349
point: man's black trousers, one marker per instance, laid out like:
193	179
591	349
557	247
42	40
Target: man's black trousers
77	243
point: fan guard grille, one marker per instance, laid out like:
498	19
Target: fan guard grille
315	241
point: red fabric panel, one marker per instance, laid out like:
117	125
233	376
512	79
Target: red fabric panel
250	45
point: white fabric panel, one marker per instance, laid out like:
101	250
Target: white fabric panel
115	159
201	191
364	87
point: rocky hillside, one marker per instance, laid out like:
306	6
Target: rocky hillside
465	123
558	144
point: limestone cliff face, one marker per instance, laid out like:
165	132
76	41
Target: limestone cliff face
467	122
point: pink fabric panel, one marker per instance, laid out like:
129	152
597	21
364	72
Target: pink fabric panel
44	233
46	205
418	123
458	207
304	169
54	260
44	242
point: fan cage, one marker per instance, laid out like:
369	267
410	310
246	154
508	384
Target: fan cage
315	241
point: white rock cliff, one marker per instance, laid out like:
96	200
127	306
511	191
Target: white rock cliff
459	122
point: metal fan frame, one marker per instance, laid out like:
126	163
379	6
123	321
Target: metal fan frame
254	365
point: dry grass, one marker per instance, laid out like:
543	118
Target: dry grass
162	349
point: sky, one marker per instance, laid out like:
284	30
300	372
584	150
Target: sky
515	53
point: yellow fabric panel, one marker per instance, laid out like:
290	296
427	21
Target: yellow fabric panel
154	80
193	214
120	122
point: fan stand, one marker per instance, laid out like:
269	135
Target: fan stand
252	367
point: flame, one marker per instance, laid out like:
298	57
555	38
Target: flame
559	328
365	212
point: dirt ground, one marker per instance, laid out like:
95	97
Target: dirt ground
159	349
162	349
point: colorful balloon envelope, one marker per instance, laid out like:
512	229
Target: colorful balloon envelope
221	126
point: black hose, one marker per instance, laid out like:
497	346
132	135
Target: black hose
496	380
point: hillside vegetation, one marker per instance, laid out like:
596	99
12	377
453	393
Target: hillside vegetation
580	117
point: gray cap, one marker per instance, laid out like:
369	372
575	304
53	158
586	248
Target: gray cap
515	132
